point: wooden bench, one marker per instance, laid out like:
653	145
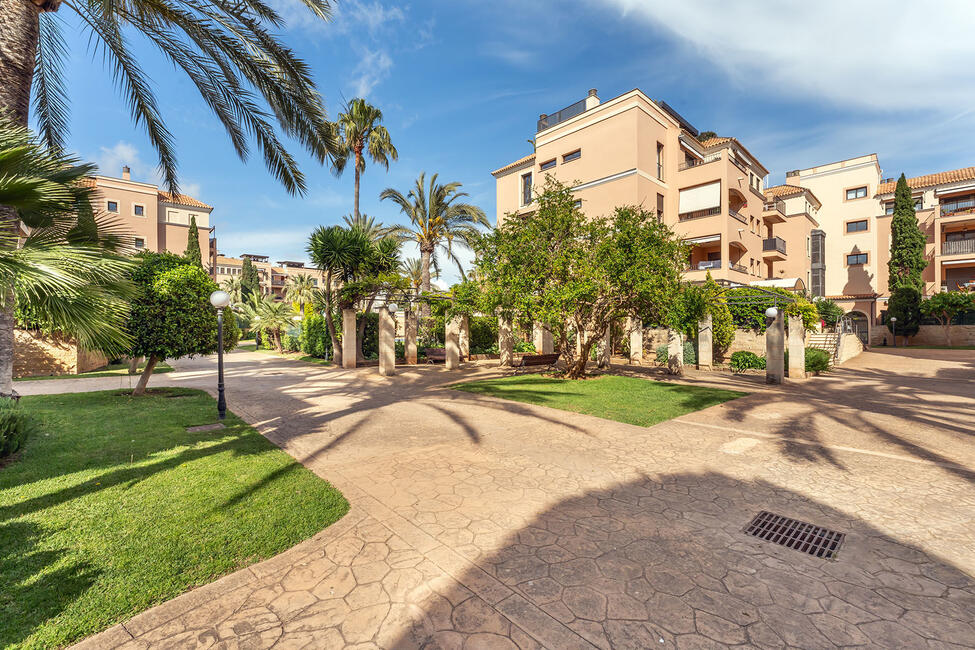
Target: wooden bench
437	355
531	360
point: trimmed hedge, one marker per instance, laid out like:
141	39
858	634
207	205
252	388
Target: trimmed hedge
743	360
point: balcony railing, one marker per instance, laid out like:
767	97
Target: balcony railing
737	215
777	206
705	265
757	192
958	206
548	121
694	162
737	163
697	214
737	267
956	247
774	244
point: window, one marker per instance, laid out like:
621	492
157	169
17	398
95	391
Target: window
138	210
918	205
548	164
854	259
140	242
572	155
660	161
660	207
856	193
856	226
808	249
577	204
112	206
526	189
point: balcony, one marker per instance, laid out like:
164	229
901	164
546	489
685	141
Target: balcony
737	215
694	162
698	214
774	212
705	265
964	205
773	248
548	121
737	267
960	247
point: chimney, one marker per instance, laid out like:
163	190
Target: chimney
592	101
126	173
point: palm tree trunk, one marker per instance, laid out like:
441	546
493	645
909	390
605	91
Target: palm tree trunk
140	388
355	209
276	336
426	257
19	26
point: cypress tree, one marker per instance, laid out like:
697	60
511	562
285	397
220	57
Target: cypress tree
192	252
906	263
250	283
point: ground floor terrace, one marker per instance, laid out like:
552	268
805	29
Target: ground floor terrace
483	523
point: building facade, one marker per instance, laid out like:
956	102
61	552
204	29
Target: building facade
273	277
154	220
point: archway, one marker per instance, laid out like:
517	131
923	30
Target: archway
856	322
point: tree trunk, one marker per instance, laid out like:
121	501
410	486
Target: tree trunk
19	26
426	258
140	388
278	346
948	333
355	204
578	368
134	364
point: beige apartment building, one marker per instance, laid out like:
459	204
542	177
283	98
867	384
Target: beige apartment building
274	277
631	150
155	220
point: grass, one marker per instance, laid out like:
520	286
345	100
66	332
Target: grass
114	507
623	399
294	356
111	370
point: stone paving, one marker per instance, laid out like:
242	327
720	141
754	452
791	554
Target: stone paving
482	523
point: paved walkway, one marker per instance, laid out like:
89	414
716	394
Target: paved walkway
480	523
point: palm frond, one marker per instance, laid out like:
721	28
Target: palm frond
50	103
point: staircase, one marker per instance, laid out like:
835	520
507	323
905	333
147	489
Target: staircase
828	342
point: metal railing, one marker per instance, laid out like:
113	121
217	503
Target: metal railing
737	267
777	206
960	246
737	163
737	215
705	265
774	244
570	111
960	205
694	162
697	214
757	192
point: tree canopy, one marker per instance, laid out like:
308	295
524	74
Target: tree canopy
945	306
250	281
192	252
907	242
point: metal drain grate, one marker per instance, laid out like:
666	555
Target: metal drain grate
795	534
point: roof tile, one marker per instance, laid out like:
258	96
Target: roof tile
930	180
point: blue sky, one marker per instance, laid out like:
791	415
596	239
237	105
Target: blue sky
461	85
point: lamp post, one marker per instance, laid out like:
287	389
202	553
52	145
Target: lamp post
220	300
893	328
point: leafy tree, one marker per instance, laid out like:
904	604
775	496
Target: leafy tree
361	134
438	221
301	291
171	316
905	306
704	136
722	324
579	274
750	313
265	314
66	275
250	281
829	311
907	242
192	252
945	306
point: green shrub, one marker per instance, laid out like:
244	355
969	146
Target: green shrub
743	360
484	334
15	426
524	346
313	339
749	313
662	353
291	340
690	353
370	338
816	360
400	349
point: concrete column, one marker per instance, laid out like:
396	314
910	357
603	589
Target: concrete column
775	350
409	330
387	343
505	341
635	328
705	343
348	338
675	352
605	348
797	348
465	337
452	341
542	338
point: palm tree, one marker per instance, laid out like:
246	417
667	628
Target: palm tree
360	134
438	220
375	230
67	273
413	268
268	315
234	287
301	290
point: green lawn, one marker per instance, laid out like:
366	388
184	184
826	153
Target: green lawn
114	507
294	356
111	370
623	399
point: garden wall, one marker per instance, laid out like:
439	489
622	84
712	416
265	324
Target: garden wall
747	340
935	335
37	354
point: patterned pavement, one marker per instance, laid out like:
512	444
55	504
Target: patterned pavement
480	523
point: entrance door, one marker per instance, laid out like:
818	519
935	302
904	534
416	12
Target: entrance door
856	323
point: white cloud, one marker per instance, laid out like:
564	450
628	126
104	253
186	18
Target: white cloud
871	53
346	17
110	161
373	67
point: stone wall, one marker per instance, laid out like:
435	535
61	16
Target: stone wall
37	354
850	346
935	335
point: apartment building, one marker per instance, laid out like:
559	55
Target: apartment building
273	277
155	220
631	150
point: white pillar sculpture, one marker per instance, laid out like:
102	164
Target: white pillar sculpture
797	348
605	348
387	342
464	339
775	347
542	339
675	352
635	328
409	333
705	343
452	342
348	338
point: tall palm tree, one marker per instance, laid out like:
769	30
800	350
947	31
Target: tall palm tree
66	273
413	268
375	230
268	315
438	221
234	286
361	134
301	290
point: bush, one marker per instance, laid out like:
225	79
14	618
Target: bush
690	353
291	340
816	360
750	314
484	334
744	360
370	337
400	349
524	346
15	426
313	339
662	354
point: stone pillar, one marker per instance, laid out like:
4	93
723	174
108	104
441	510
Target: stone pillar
675	352
409	331
505	342
797	348
465	338
605	348
705	343
348	338
775	350
542	338
387	343
635	327
452	341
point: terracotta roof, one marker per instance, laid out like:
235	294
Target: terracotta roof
228	260
722	140
712	142
516	163
930	180
854	296
781	191
182	199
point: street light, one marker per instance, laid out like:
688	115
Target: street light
893	328
220	300
392	307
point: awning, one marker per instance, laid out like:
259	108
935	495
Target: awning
703	197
